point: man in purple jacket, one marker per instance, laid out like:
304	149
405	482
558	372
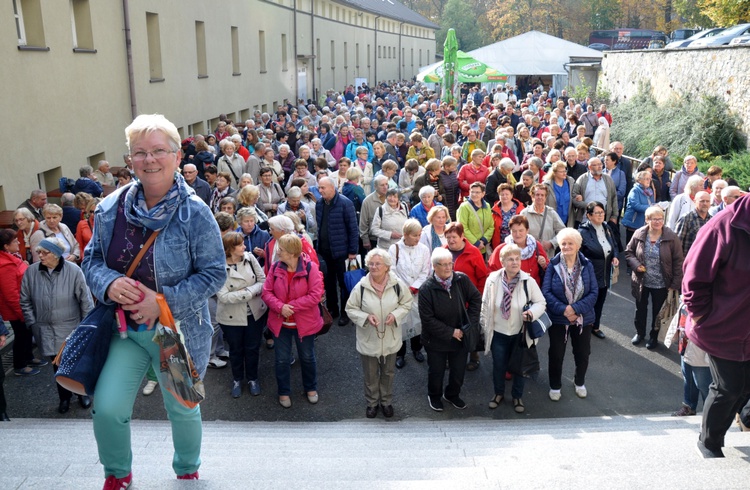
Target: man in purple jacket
716	291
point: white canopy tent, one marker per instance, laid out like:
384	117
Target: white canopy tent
533	53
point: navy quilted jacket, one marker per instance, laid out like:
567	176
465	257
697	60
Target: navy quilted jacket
343	228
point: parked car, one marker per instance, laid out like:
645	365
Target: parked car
682	34
600	47
724	38
740	40
700	35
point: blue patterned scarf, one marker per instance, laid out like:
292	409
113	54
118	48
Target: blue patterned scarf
156	218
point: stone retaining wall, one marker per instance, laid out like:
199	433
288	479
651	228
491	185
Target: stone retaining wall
721	71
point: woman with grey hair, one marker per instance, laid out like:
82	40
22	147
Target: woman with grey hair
53	227
230	162
389	220
377	305
279	226
54	300
411	261
506	294
570	289
27	225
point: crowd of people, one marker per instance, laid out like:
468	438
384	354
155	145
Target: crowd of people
471	222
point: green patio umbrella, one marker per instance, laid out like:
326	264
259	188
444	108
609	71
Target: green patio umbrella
467	70
450	52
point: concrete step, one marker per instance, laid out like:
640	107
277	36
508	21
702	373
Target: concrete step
609	452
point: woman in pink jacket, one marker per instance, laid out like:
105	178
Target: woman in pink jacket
292	291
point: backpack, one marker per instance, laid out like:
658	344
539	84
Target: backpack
66	184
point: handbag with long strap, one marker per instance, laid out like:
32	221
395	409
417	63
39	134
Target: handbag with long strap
83	354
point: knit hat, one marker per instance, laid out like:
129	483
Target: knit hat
51	247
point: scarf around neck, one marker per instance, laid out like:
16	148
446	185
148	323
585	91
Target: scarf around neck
529	250
156	218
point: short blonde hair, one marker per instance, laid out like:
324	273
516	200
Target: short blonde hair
248	194
412	225
509	249
652	210
52	209
145	124
439	209
291	243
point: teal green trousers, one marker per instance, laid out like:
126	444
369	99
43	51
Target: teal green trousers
116	391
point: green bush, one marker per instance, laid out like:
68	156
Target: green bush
736	166
699	125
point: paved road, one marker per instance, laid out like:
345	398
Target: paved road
622	379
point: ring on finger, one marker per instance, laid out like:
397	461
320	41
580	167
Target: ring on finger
120	297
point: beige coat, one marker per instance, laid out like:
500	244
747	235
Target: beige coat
382	340
241	291
492	298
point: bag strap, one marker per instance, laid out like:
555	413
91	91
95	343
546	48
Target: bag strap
397	248
140	255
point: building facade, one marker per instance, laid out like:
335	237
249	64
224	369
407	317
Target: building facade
76	72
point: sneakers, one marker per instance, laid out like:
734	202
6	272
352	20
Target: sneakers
555	395
216	363
435	403
684	411
27	371
112	483
150	387
581	391
191	476
254	387
456	402
236	389
38	362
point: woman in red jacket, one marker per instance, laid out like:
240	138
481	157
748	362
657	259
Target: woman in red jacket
472	172
292	291
503	210
12	268
534	259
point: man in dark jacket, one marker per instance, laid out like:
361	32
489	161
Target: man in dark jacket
448	302
337	241
716	292
86	183
71	215
200	186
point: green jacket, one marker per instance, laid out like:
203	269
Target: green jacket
476	230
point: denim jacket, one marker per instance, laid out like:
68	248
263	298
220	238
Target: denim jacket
189	264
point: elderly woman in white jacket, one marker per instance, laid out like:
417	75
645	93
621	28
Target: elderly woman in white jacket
389	219
378	305
241	313
412	264
502	319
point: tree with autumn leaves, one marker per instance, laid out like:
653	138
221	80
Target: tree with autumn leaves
481	22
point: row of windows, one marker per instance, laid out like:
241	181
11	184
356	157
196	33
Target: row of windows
30	28
390	52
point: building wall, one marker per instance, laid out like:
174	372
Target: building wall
63	109
720	71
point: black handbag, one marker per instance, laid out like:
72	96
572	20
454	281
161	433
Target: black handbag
524	360
83	354
473	337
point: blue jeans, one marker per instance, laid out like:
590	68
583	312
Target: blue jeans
502	347
696	381
306	352
244	347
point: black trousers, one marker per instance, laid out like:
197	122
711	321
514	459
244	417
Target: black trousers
436	372
658	296
415	344
22	344
61	392
599	307
334	275
581	340
728	393
3	403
